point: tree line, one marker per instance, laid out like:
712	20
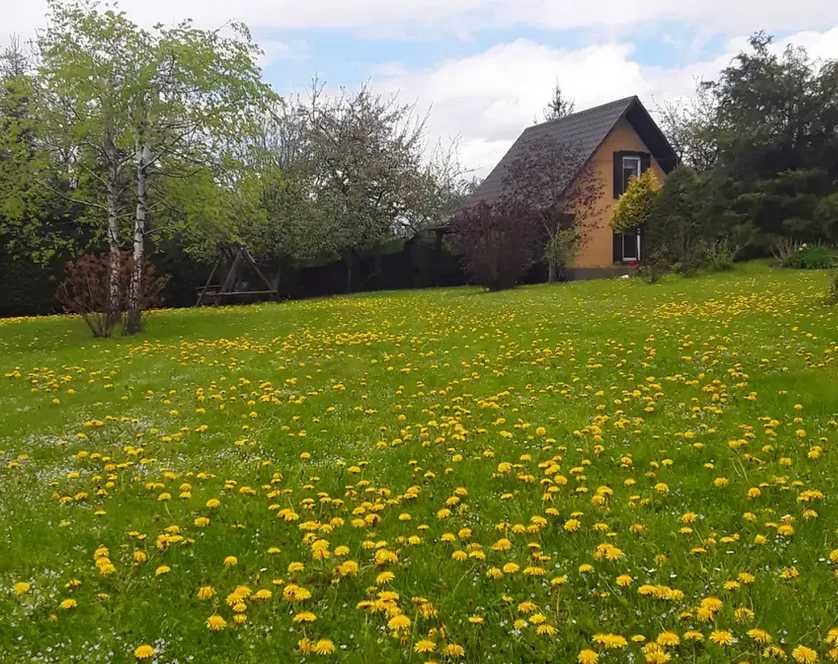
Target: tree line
759	161
117	140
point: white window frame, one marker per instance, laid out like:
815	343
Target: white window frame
634	160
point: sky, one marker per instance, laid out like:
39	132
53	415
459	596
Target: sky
484	69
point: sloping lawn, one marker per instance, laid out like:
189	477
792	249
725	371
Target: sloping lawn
603	471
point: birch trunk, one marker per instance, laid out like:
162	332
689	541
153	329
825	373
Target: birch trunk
135	288
115	256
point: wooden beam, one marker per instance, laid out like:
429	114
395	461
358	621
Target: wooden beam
206	285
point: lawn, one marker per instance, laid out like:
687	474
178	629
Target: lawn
603	471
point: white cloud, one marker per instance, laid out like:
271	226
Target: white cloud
486	100
461	17
275	49
709	15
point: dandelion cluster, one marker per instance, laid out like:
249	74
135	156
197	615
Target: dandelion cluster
595	473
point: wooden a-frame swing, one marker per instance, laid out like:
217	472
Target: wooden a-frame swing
239	258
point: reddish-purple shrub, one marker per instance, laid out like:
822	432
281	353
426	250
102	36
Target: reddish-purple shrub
498	243
91	290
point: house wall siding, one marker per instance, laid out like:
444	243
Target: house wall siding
597	251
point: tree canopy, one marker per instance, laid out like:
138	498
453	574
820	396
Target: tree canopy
114	136
763	138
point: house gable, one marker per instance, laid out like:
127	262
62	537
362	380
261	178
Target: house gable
603	135
586	130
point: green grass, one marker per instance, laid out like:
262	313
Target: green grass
481	417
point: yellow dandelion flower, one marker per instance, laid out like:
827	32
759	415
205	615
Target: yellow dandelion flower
804	655
304	617
399	623
144	651
216	623
721	637
454	651
587	657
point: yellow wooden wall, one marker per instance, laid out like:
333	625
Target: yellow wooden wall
598	250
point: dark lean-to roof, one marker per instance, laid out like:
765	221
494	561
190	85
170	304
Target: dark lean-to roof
585	130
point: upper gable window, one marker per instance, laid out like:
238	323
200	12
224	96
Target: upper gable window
630	169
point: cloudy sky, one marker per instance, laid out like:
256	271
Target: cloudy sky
485	68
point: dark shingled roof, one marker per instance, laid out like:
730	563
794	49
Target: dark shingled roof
585	130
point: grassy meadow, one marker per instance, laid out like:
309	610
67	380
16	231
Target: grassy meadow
604	471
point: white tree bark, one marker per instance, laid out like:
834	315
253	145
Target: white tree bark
114	294
135	289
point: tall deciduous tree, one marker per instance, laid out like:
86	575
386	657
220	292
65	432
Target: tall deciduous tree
195	93
688	124
140	106
32	218
87	62
366	156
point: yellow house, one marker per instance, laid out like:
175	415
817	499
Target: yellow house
617	141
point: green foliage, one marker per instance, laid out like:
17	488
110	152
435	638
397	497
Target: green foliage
832	292
673	229
634	208
719	256
36	219
826	214
682	233
805	256
560	250
138	108
124	134
764	137
774	123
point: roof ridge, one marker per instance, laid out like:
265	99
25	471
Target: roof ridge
625	100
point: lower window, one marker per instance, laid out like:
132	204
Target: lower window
631	246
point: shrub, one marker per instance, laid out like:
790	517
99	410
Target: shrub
832	293
804	256
719	256
673	229
653	268
86	290
783	250
559	251
634	208
498	243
